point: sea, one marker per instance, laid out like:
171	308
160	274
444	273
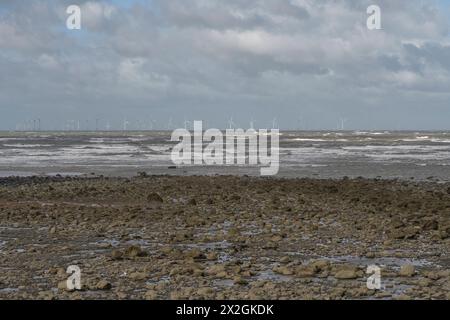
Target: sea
407	155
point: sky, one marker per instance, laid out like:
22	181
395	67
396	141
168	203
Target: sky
303	64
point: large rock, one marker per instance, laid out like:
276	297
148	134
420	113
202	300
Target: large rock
283	270
305	271
407	270
346	272
134	251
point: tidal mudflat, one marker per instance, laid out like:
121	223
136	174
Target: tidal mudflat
223	237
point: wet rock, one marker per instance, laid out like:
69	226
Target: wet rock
346	272
403	297
62	285
116	255
134	251
151	295
103	285
211	256
154	197
215	269
239	280
205	292
405	233
305	271
196	255
430	225
407	270
283	270
276	238
138	276
320	265
46	295
424	282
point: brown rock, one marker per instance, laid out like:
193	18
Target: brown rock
305	271
103	285
239	280
346	272
283	270
135	251
407	270
116	254
138	276
154	197
150	295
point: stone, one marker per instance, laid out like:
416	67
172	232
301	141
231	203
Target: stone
150	295
405	233
430	225
204	291
402	297
424	282
135	251
138	276
116	255
62	285
346	272
211	256
215	269
154	197
283	271
320	265
407	270
46	295
239	280
103	285
305	271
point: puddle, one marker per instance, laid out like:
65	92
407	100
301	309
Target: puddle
223	283
272	276
384	261
209	245
163	279
9	290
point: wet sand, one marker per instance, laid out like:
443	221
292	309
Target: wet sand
223	237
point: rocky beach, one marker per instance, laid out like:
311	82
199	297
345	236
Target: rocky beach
223	237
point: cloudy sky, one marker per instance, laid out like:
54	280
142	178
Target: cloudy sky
306	63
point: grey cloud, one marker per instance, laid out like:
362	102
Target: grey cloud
219	58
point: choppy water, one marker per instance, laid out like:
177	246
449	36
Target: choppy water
418	155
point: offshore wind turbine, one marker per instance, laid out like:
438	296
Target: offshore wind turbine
274	123
231	123
252	124
343	121
125	124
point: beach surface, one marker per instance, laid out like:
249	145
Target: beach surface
223	237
